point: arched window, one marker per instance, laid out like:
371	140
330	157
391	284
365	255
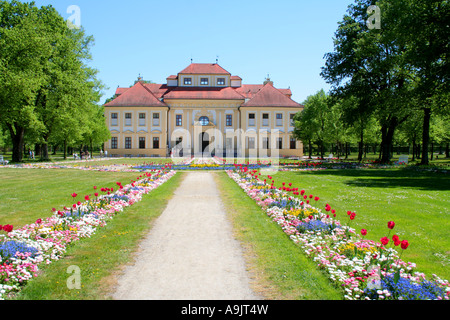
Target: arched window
204	121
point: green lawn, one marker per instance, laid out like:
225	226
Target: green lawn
417	201
29	194
102	256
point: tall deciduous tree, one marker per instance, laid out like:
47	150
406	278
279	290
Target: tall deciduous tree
23	51
422	29
368	65
47	82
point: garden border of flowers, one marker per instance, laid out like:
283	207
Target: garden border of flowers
364	269
47	240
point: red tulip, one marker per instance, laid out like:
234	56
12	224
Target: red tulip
74	195
8	228
352	216
316	198
391	225
396	239
404	244
302	192
363	232
38	221
384	240
96	194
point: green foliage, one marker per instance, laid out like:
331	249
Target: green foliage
50	94
393	72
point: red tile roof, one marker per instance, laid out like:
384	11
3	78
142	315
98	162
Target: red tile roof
226	93
269	96
249	90
136	96
204	68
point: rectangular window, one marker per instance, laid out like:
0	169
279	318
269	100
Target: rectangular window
229	121
292	119
251	119
221	81
293	143
155	143
156	119
142	119
141	143
265	117
280	143
204	81
114	119
179	120
127	143
265	143
114	143
279	119
251	143
128	119
187	81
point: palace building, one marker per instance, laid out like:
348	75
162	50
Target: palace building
202	110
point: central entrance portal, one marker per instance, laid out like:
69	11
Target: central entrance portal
204	143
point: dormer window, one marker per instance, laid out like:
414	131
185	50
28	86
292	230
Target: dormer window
204	81
187	81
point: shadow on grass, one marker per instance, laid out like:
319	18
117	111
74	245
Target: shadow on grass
391	178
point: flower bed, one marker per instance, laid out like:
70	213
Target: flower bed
364	269
23	250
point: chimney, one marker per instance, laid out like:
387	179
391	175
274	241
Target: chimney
268	81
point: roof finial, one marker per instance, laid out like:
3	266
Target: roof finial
217	59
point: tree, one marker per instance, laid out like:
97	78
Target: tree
316	123
423	32
46	83
22	54
367	65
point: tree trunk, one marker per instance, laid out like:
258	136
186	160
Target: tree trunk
310	149
426	135
361	145
65	149
17	136
447	151
387	135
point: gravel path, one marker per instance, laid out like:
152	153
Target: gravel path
190	253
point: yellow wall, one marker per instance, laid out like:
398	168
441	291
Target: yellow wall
191	110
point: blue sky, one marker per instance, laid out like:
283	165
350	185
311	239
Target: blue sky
286	39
